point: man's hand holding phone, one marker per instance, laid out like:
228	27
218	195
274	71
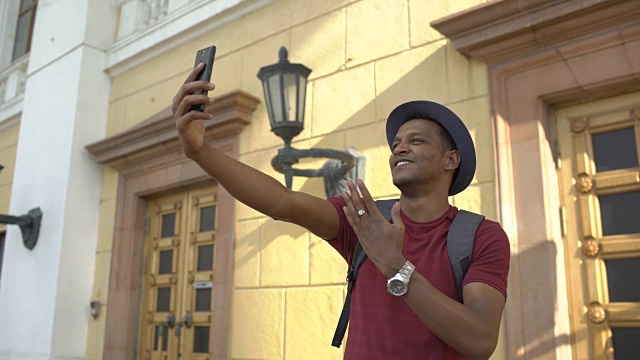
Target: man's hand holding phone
204	56
190	102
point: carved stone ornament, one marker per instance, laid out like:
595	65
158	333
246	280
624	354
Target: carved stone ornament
173	279
590	247
584	183
633	114
175	241
190	278
177	205
579	125
597	314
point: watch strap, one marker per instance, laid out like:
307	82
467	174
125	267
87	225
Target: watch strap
407	270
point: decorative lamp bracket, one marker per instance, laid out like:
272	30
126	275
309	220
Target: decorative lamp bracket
29	226
336	171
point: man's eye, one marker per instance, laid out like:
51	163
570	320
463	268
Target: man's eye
417	141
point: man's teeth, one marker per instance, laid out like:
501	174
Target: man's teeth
404	162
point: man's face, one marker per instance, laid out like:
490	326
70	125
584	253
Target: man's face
419	157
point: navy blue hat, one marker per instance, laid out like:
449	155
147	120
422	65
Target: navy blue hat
449	121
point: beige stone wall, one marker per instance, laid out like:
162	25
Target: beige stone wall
8	147
367	57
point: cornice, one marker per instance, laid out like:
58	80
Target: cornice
157	136
502	30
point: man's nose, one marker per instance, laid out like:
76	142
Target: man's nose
400	148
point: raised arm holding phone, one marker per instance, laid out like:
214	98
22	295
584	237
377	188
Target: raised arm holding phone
432	157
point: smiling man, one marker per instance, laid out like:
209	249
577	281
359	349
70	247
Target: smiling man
432	158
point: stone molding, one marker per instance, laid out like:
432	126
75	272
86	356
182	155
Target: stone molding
157	136
502	30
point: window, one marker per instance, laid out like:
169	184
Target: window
24	28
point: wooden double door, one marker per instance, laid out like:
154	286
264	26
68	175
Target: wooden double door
177	295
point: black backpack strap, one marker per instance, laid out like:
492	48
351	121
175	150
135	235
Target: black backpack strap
356	261
384	206
460	244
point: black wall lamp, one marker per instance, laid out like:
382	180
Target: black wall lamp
285	88
29	224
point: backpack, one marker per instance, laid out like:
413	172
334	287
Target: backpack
459	247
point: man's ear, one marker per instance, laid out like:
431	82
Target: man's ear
452	160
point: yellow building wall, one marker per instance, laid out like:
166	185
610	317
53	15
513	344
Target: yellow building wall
367	57
96	331
8	148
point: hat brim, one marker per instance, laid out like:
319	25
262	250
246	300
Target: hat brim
451	123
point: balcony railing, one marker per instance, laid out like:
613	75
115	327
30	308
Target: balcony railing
138	14
12	81
148	28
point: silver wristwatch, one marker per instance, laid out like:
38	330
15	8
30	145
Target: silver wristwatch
398	285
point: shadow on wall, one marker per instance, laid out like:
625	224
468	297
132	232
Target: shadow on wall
435	72
536	264
431	78
370	115
539	293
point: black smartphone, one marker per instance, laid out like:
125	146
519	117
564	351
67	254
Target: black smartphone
205	56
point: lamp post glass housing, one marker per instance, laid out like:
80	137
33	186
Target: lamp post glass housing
285	88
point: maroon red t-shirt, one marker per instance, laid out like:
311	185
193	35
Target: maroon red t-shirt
382	326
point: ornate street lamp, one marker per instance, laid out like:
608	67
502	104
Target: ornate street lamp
285	87
29	224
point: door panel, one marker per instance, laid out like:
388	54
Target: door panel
598	150
198	289
178	290
161	298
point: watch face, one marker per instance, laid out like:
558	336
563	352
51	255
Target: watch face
397	287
